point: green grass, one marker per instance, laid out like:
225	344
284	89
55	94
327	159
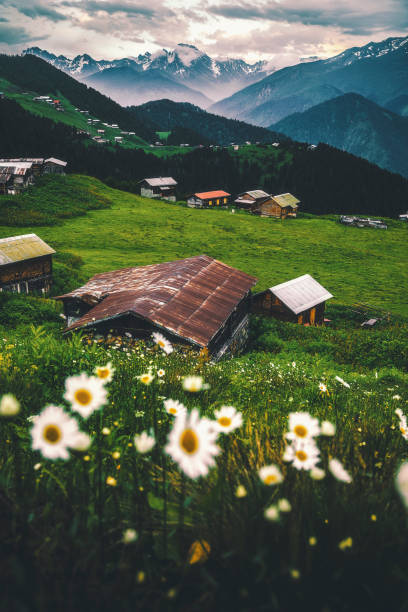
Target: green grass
355	265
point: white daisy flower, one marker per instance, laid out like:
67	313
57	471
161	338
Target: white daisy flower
227	419
85	394
53	432
146	378
338	471
302	426
174	407
9	405
323	388
270	475
161	341
317	473
144	442
401	482
160	373
191	444
303	454
105	373
327	429
343	382
271	513
193	383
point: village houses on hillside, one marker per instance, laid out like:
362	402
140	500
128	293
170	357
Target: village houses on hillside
261	203
17	174
208	199
25	264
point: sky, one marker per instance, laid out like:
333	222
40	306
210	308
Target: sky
280	31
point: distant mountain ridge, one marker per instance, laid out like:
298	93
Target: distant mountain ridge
213	129
354	124
185	66
378	71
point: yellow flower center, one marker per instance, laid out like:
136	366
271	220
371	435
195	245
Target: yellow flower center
402	430
52	434
301	455
270	479
300	431
145	379
83	397
173	410
224	421
189	441
161	343
103	372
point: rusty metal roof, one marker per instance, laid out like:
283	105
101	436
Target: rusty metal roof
191	298
19	248
300	294
206	195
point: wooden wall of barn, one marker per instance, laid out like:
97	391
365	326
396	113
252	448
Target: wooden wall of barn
28	276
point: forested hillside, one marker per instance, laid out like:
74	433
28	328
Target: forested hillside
213	128
326	180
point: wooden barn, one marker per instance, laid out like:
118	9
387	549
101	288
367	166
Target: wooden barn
206	199
25	264
163	188
283	205
197	301
253	201
301	300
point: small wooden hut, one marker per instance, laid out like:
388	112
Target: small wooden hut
162	188
301	300
25	264
197	301
208	199
282	206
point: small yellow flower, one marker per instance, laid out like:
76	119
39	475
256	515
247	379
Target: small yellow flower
140	577
106	431
111	481
116	455
240	491
374	517
312	541
199	551
295	574
86	457
346	543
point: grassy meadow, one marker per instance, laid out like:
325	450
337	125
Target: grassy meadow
112	526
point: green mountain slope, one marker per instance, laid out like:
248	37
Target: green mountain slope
213	128
137	231
33	75
354	124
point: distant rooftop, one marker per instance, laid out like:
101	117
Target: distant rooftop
300	294
286	199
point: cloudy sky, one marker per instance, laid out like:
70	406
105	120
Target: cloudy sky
282	31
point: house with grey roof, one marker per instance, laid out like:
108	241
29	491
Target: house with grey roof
25	264
162	188
300	300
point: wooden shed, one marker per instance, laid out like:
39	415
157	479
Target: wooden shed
197	301
52	165
208	199
283	205
301	300
25	264
252	200
163	188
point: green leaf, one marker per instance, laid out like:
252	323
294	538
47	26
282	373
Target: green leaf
155	502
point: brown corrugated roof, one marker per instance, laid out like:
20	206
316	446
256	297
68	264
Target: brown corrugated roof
191	297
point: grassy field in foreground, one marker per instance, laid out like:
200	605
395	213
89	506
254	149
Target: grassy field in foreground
354	264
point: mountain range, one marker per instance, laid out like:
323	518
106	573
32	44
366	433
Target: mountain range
377	71
354	124
184	74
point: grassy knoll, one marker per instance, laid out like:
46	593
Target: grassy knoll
354	264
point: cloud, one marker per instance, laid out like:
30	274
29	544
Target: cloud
14	35
349	16
112	8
